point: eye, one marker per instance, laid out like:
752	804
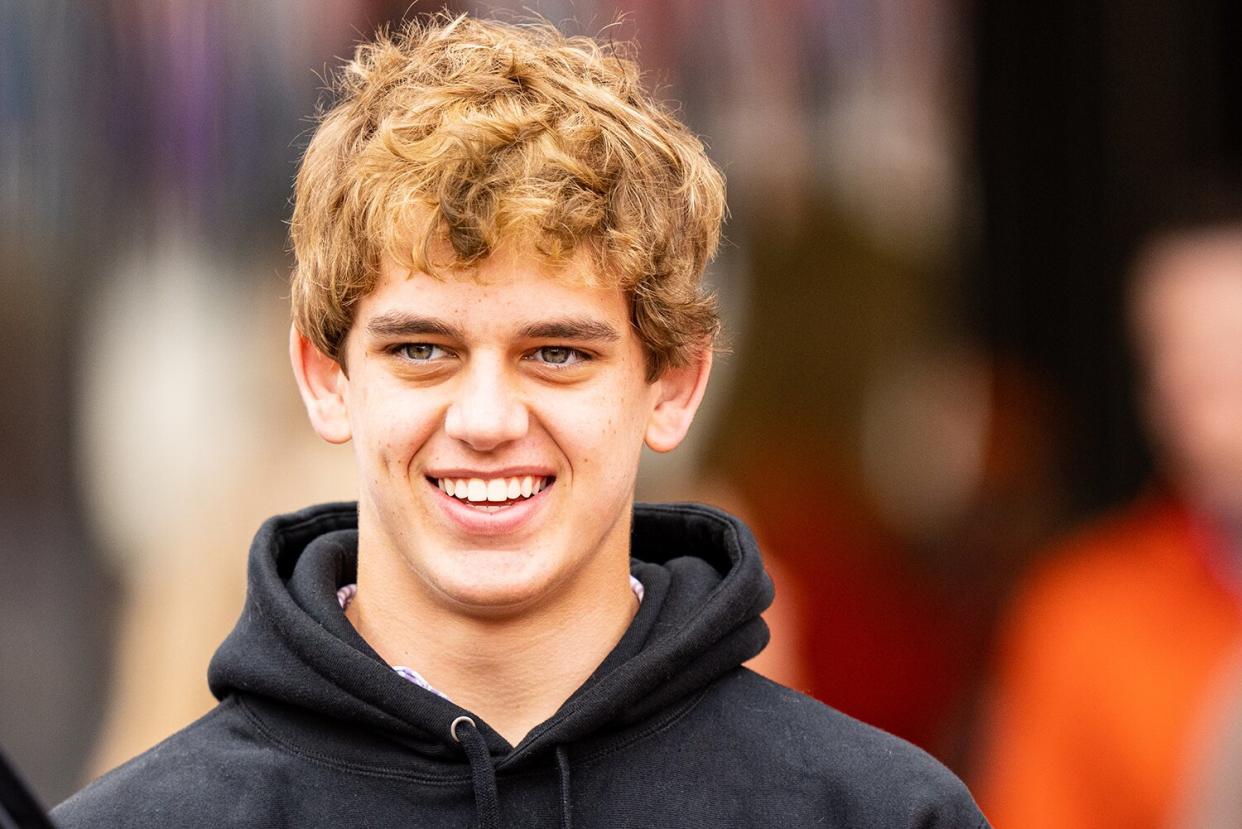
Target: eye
420	352
559	355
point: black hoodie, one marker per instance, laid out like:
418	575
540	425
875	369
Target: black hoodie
314	729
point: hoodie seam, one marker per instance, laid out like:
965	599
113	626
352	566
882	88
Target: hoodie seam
589	758
673	719
217	711
365	771
332	518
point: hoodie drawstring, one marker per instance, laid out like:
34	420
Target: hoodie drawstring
562	765
482	772
483	775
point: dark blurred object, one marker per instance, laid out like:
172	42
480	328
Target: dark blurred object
1085	111
19	809
56	595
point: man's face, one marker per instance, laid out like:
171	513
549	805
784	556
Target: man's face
497	425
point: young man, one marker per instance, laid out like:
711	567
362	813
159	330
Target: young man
500	240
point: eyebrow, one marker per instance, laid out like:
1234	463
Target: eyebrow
572	328
409	325
395	324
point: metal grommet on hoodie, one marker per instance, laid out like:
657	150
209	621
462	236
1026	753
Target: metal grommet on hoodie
453	726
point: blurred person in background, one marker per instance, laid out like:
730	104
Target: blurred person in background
1117	699
500	240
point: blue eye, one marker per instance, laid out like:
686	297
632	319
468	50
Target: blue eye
420	352
559	355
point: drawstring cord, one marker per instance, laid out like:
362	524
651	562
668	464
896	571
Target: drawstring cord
482	773
562	765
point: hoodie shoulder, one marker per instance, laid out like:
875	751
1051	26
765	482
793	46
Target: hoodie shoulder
866	776
202	775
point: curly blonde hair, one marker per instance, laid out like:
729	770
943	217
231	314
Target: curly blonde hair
454	135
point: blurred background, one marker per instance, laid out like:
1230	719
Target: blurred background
935	209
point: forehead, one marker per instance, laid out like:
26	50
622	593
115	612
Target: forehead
502	294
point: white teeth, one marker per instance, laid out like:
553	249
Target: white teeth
493	490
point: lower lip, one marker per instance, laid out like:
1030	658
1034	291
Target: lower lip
502	521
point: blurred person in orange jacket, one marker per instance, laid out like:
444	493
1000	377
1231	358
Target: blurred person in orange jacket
1117	662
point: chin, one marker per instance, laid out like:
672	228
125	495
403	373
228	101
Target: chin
495	588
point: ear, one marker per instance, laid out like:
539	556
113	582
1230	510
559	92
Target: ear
322	382
680	391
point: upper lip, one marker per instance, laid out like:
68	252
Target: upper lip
505	472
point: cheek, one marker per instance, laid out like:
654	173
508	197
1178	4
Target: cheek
602	432
390	428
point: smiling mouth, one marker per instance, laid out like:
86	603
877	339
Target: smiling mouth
492	494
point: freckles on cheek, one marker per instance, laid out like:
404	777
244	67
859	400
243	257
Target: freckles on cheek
399	433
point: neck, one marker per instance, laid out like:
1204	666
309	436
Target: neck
512	670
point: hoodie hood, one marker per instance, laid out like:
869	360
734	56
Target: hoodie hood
293	655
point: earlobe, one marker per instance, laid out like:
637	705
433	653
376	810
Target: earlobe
680	393
321	381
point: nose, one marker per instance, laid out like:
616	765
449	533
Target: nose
487	410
